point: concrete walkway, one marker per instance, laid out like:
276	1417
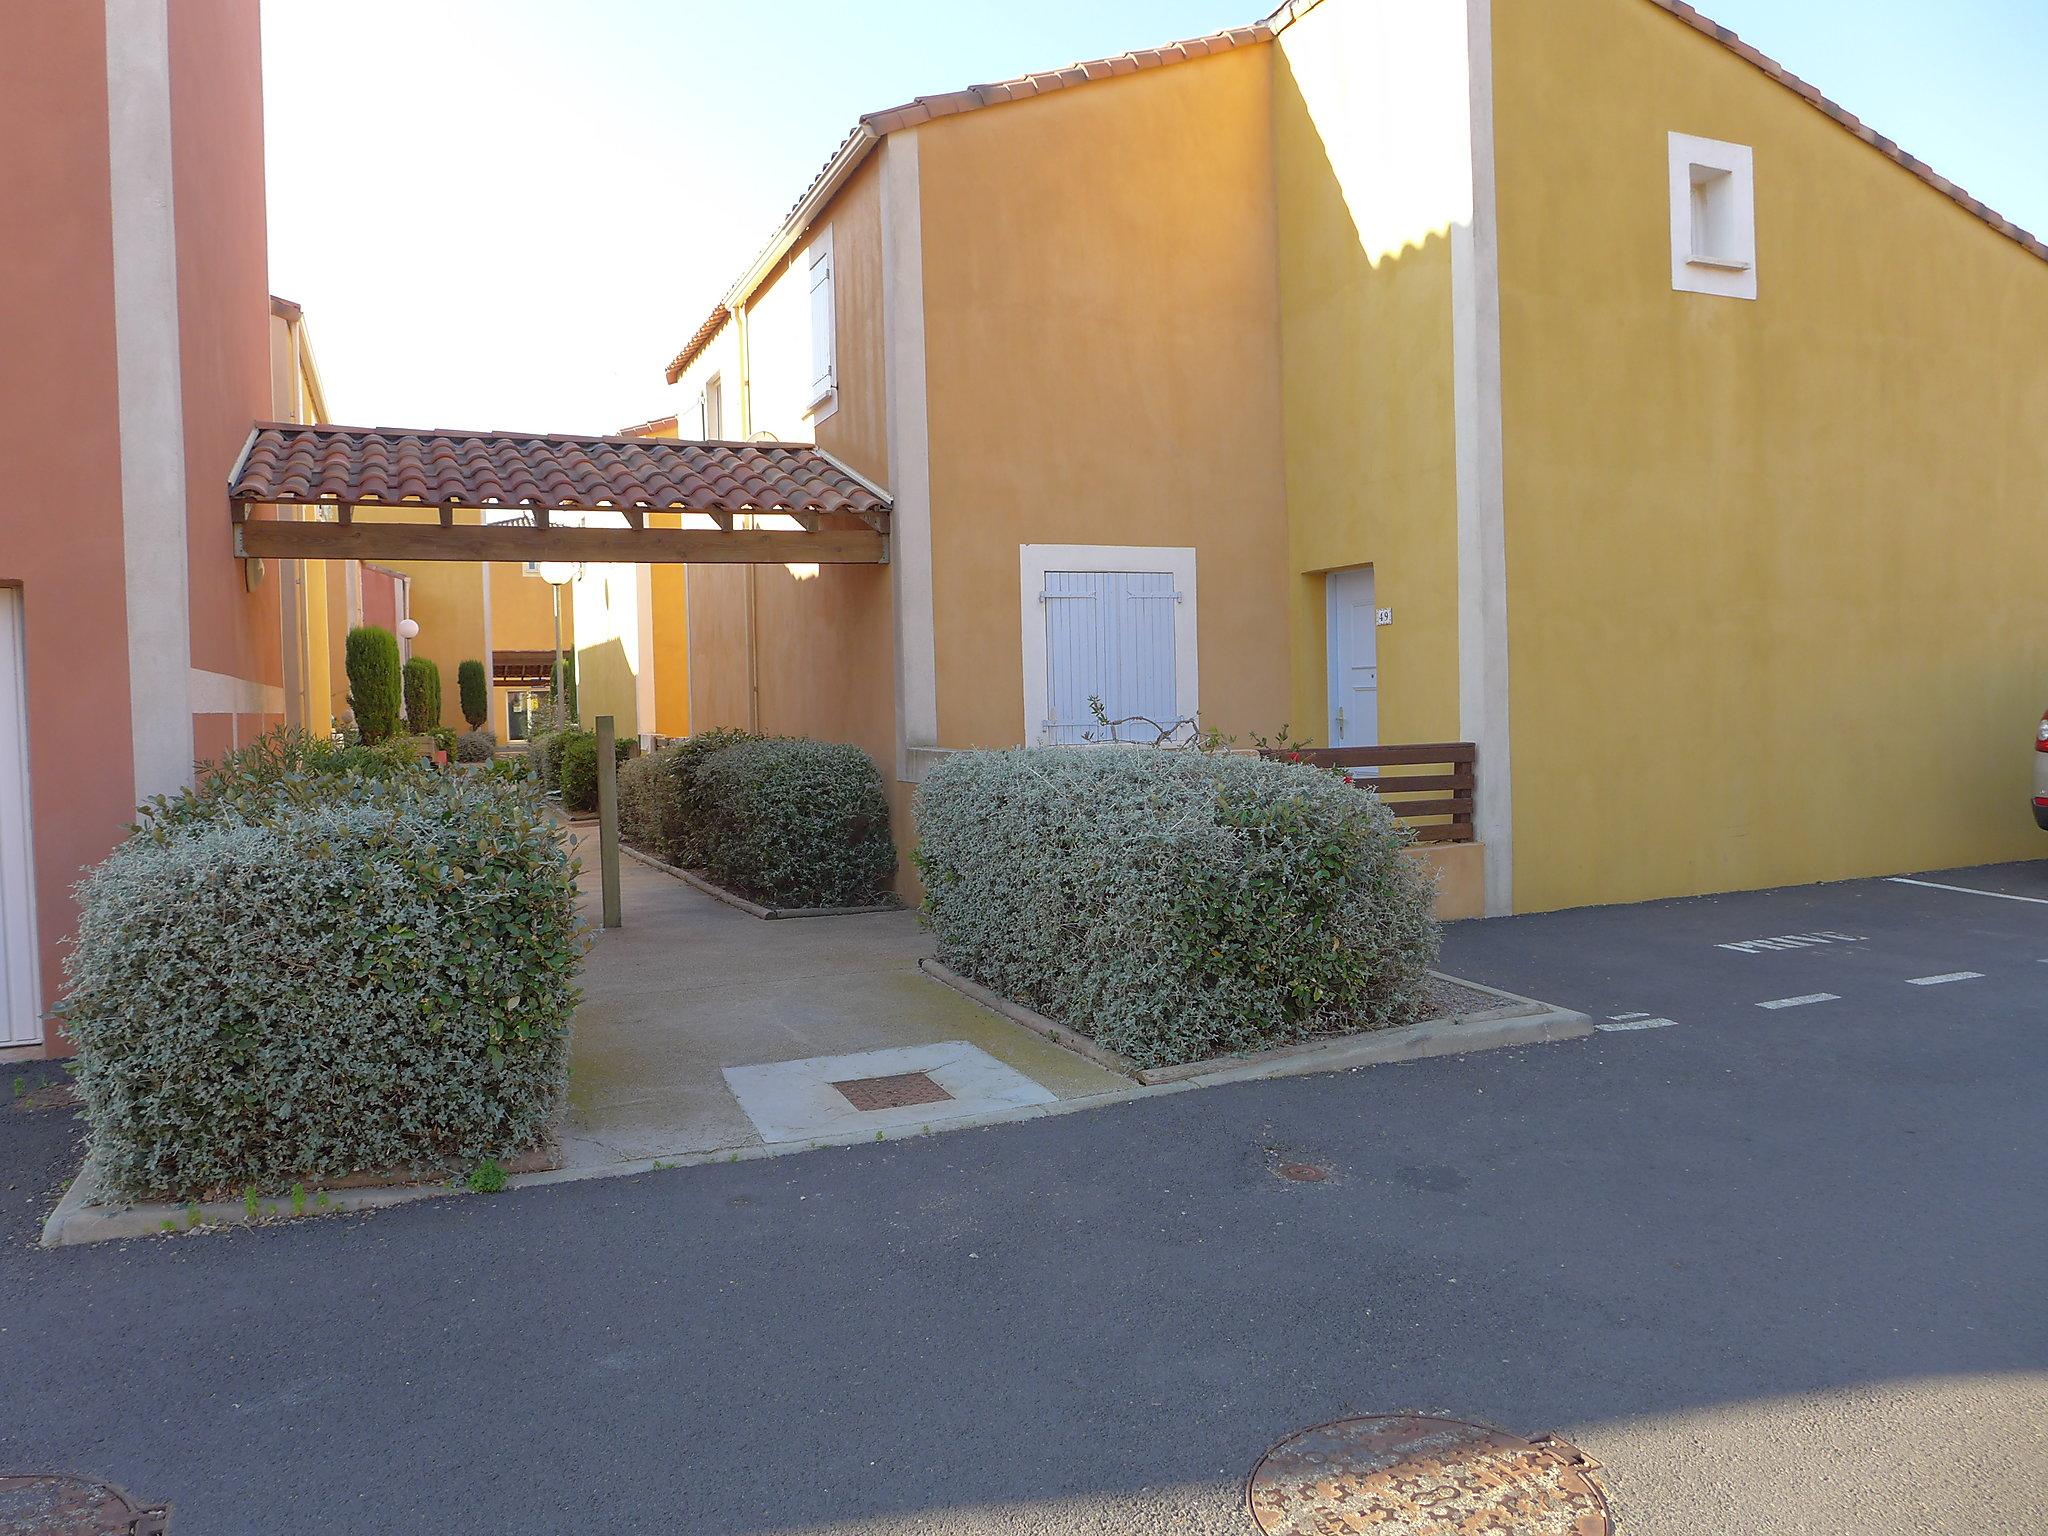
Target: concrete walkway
690	987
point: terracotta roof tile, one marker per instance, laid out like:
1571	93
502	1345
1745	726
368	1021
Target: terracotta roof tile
290	463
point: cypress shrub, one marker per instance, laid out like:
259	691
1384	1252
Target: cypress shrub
422	696
1171	904
474	688
373	681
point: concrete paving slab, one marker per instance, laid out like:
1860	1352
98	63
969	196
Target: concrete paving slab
799	1100
691	986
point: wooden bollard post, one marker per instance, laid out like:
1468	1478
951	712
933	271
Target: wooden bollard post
608	820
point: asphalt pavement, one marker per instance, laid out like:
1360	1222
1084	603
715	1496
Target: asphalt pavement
1778	1269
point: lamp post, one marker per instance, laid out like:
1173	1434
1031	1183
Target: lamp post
558	574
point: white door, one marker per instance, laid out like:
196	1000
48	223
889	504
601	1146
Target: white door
18	1022
1354	659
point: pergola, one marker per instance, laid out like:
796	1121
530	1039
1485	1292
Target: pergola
368	473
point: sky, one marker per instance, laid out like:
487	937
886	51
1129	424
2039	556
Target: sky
512	213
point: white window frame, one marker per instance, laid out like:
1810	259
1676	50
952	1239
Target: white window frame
1035	560
825	397
711	409
1729	170
21	1005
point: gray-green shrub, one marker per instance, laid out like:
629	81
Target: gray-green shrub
292	975
1174	905
475	747
797	823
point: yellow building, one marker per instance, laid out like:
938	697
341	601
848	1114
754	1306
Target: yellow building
1565	379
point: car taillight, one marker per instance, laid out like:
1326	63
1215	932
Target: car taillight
2041	736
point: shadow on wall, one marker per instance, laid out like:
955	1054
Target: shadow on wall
1369	198
607	684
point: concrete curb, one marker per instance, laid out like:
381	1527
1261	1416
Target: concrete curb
753	908
1517	1021
80	1218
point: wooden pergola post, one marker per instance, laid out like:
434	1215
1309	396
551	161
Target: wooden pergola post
608	820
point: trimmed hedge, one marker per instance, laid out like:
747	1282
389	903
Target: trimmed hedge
796	823
545	753
579	770
650	812
1174	905
371	658
663	807
475	747
781	820
422	696
295	974
473	691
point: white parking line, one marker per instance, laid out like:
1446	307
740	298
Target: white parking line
1964	890
1636	1023
1623	1018
1935	981
1801	1002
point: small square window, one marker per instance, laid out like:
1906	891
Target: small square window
1713	217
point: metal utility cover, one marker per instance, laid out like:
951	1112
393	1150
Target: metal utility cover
1420	1475
57	1505
898	1091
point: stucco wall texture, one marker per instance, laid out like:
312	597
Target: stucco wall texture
61	523
1771	565
1774	566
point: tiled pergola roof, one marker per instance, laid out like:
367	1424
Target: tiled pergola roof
380	470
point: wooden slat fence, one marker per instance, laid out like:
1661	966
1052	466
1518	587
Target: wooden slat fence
1437	805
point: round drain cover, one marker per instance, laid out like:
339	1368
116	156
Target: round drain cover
1417	1475
57	1505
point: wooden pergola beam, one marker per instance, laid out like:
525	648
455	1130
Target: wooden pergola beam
267	540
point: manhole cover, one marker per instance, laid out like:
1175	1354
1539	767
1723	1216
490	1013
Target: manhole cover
897	1092
1302	1173
56	1505
1418	1475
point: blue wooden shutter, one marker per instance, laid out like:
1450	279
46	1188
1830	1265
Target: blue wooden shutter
1108	634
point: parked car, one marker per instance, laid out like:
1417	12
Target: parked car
2041	775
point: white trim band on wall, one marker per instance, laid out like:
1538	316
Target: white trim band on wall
216	693
150	391
910	470
1481	478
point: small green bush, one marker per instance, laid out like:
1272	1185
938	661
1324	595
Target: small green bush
579	771
667	811
371	656
796	823
291	974
650	809
473	688
285	762
422	696
475	747
1174	905
544	751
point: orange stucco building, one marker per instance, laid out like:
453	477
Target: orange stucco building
135	351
